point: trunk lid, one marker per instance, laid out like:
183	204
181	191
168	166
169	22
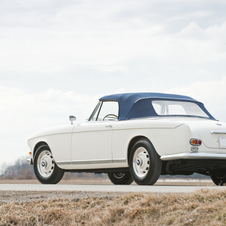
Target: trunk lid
212	133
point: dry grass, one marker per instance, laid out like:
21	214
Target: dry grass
203	207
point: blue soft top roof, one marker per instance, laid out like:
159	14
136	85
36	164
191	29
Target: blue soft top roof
136	96
134	105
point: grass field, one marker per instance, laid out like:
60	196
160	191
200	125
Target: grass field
203	207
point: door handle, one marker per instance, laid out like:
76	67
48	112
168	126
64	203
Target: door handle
109	126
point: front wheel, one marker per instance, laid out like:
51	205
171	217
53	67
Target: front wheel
219	180
144	163
45	168
120	178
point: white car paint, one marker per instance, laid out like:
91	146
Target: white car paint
105	143
135	137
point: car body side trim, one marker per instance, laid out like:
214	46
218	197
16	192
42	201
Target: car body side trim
218	132
193	156
81	162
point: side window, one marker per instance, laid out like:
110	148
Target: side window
108	111
168	109
176	109
165	107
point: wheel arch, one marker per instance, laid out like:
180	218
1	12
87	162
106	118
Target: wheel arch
133	141
38	145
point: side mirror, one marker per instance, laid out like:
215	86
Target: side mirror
72	119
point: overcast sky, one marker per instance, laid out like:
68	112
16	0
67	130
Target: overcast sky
58	57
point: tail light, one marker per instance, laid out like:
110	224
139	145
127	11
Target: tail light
195	142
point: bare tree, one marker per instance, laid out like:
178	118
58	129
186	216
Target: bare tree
19	170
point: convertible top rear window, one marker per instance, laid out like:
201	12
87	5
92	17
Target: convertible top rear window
164	107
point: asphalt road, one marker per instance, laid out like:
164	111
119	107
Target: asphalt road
105	188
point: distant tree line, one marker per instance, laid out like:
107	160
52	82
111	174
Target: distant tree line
19	170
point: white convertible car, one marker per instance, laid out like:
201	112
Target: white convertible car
135	137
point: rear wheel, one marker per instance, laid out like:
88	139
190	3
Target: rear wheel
120	178
219	180
145	164
45	168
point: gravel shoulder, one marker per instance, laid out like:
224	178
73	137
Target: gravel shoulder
30	196
105	181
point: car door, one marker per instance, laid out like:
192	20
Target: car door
91	145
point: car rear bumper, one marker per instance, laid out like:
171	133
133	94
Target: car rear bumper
193	156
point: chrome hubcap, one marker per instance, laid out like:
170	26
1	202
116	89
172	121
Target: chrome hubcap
141	162
220	177
138	162
118	175
45	164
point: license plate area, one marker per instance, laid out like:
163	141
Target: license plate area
222	142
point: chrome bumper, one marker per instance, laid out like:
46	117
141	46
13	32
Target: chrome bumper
193	156
30	161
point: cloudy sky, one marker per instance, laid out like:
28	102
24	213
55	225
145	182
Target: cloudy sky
58	57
